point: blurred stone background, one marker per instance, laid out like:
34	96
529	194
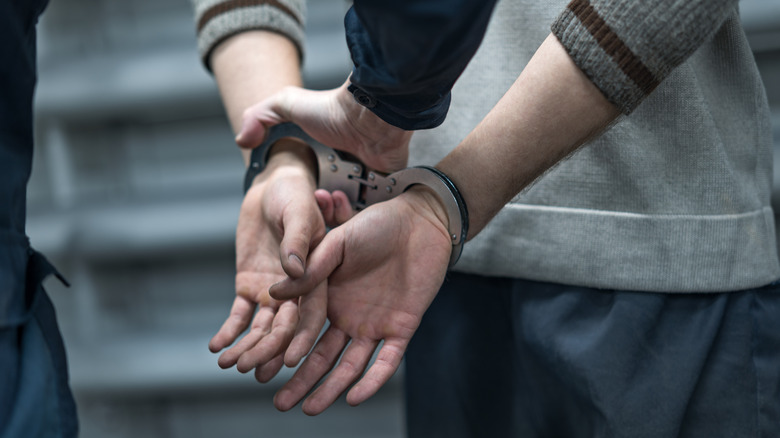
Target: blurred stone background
135	195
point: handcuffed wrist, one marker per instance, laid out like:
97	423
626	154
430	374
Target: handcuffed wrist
363	187
434	203
293	152
288	157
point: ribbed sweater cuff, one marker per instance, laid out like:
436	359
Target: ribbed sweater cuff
217	20
628	47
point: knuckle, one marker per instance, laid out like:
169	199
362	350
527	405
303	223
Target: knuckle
319	360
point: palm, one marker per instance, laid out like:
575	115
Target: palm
391	263
385	267
257	248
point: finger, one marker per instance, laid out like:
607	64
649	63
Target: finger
335	208
264	373
325	203
325	258
255	121
312	309
342	208
316	365
260	327
299	229
252	131
238	320
386	364
349	369
274	342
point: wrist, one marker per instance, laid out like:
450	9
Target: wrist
438	200
426	202
290	157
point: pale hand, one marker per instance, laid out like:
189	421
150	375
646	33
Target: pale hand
334	119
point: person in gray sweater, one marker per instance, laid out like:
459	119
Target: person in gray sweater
623	288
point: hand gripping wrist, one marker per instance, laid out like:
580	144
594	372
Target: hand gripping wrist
341	171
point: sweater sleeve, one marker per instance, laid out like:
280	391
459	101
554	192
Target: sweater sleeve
408	54
216	20
627	47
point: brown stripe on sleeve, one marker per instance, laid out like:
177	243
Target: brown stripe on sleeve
228	6
609	41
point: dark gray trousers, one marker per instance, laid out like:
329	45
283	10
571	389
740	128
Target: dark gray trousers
498	357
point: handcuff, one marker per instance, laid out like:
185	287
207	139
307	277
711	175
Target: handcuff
364	187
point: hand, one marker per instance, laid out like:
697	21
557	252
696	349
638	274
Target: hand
383	268
278	224
333	118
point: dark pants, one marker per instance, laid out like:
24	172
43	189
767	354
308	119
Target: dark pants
498	357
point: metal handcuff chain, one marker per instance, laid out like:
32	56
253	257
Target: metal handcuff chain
364	187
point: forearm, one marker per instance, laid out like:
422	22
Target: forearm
550	110
251	66
610	63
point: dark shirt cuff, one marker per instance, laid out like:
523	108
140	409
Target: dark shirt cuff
396	110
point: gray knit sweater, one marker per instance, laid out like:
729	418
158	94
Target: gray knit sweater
217	20
674	197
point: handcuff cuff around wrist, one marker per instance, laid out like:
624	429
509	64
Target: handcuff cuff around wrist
364	187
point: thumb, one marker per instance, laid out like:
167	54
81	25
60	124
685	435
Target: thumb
252	133
325	258
298	238
342	210
256	121
335	207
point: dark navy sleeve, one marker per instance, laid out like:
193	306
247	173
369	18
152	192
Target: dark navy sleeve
407	55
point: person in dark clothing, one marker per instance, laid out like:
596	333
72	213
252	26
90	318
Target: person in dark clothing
35	397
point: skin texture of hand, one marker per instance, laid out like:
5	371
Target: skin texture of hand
382	269
278	224
334	119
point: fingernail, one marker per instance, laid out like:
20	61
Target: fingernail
294	259
337	202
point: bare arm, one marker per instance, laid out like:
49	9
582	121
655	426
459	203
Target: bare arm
550	110
250	67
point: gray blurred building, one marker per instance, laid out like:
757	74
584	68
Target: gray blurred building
135	195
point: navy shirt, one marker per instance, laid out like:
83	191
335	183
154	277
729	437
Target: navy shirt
407	55
17	84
